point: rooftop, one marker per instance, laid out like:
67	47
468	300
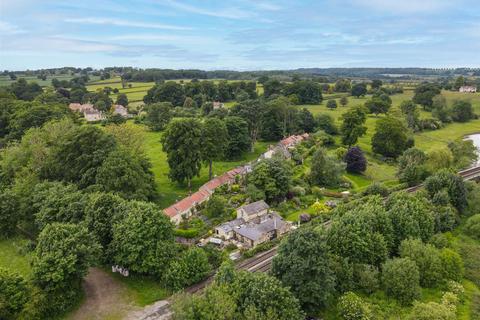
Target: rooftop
255	231
254	207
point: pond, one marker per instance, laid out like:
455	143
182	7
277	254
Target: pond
476	141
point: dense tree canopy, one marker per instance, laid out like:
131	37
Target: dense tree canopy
411	215
273	177
80	154
303	264
424	94
142	240
214	141
363	234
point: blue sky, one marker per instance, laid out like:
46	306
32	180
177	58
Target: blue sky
240	34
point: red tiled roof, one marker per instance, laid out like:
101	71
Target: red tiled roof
186	203
292	140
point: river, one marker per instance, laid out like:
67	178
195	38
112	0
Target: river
476	141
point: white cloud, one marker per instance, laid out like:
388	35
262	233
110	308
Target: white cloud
125	23
406	6
8	28
230	13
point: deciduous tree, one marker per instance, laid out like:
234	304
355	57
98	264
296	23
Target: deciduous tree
182	143
214	141
303	264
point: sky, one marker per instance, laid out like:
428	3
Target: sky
239	34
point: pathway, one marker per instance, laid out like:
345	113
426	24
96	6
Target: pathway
105	298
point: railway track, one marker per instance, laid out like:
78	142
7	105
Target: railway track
263	261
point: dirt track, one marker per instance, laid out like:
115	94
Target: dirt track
105	298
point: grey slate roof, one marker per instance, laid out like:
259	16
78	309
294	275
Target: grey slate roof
230	225
255	207
255	231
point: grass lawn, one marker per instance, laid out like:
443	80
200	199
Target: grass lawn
426	140
142	290
12	256
172	191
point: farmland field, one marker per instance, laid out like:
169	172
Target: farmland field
426	140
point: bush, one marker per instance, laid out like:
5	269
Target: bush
192	267
401	278
456	288
452	265
377	188
351	307
298	191
331	104
187	233
13	294
427	259
317	192
216	207
326	123
445	218
472	226
367	278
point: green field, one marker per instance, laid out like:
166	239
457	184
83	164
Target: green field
426	140
135	91
172	191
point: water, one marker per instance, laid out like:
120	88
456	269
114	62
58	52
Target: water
476	141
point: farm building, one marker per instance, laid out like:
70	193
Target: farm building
121	110
89	112
468	89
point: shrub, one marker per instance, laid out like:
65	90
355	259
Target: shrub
367	278
187	233
216	207
452	265
445	218
331	104
400	278
254	193
13	294
326	123
317	192
427	259
351	307
439	241
472	226
456	288
377	188
298	191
